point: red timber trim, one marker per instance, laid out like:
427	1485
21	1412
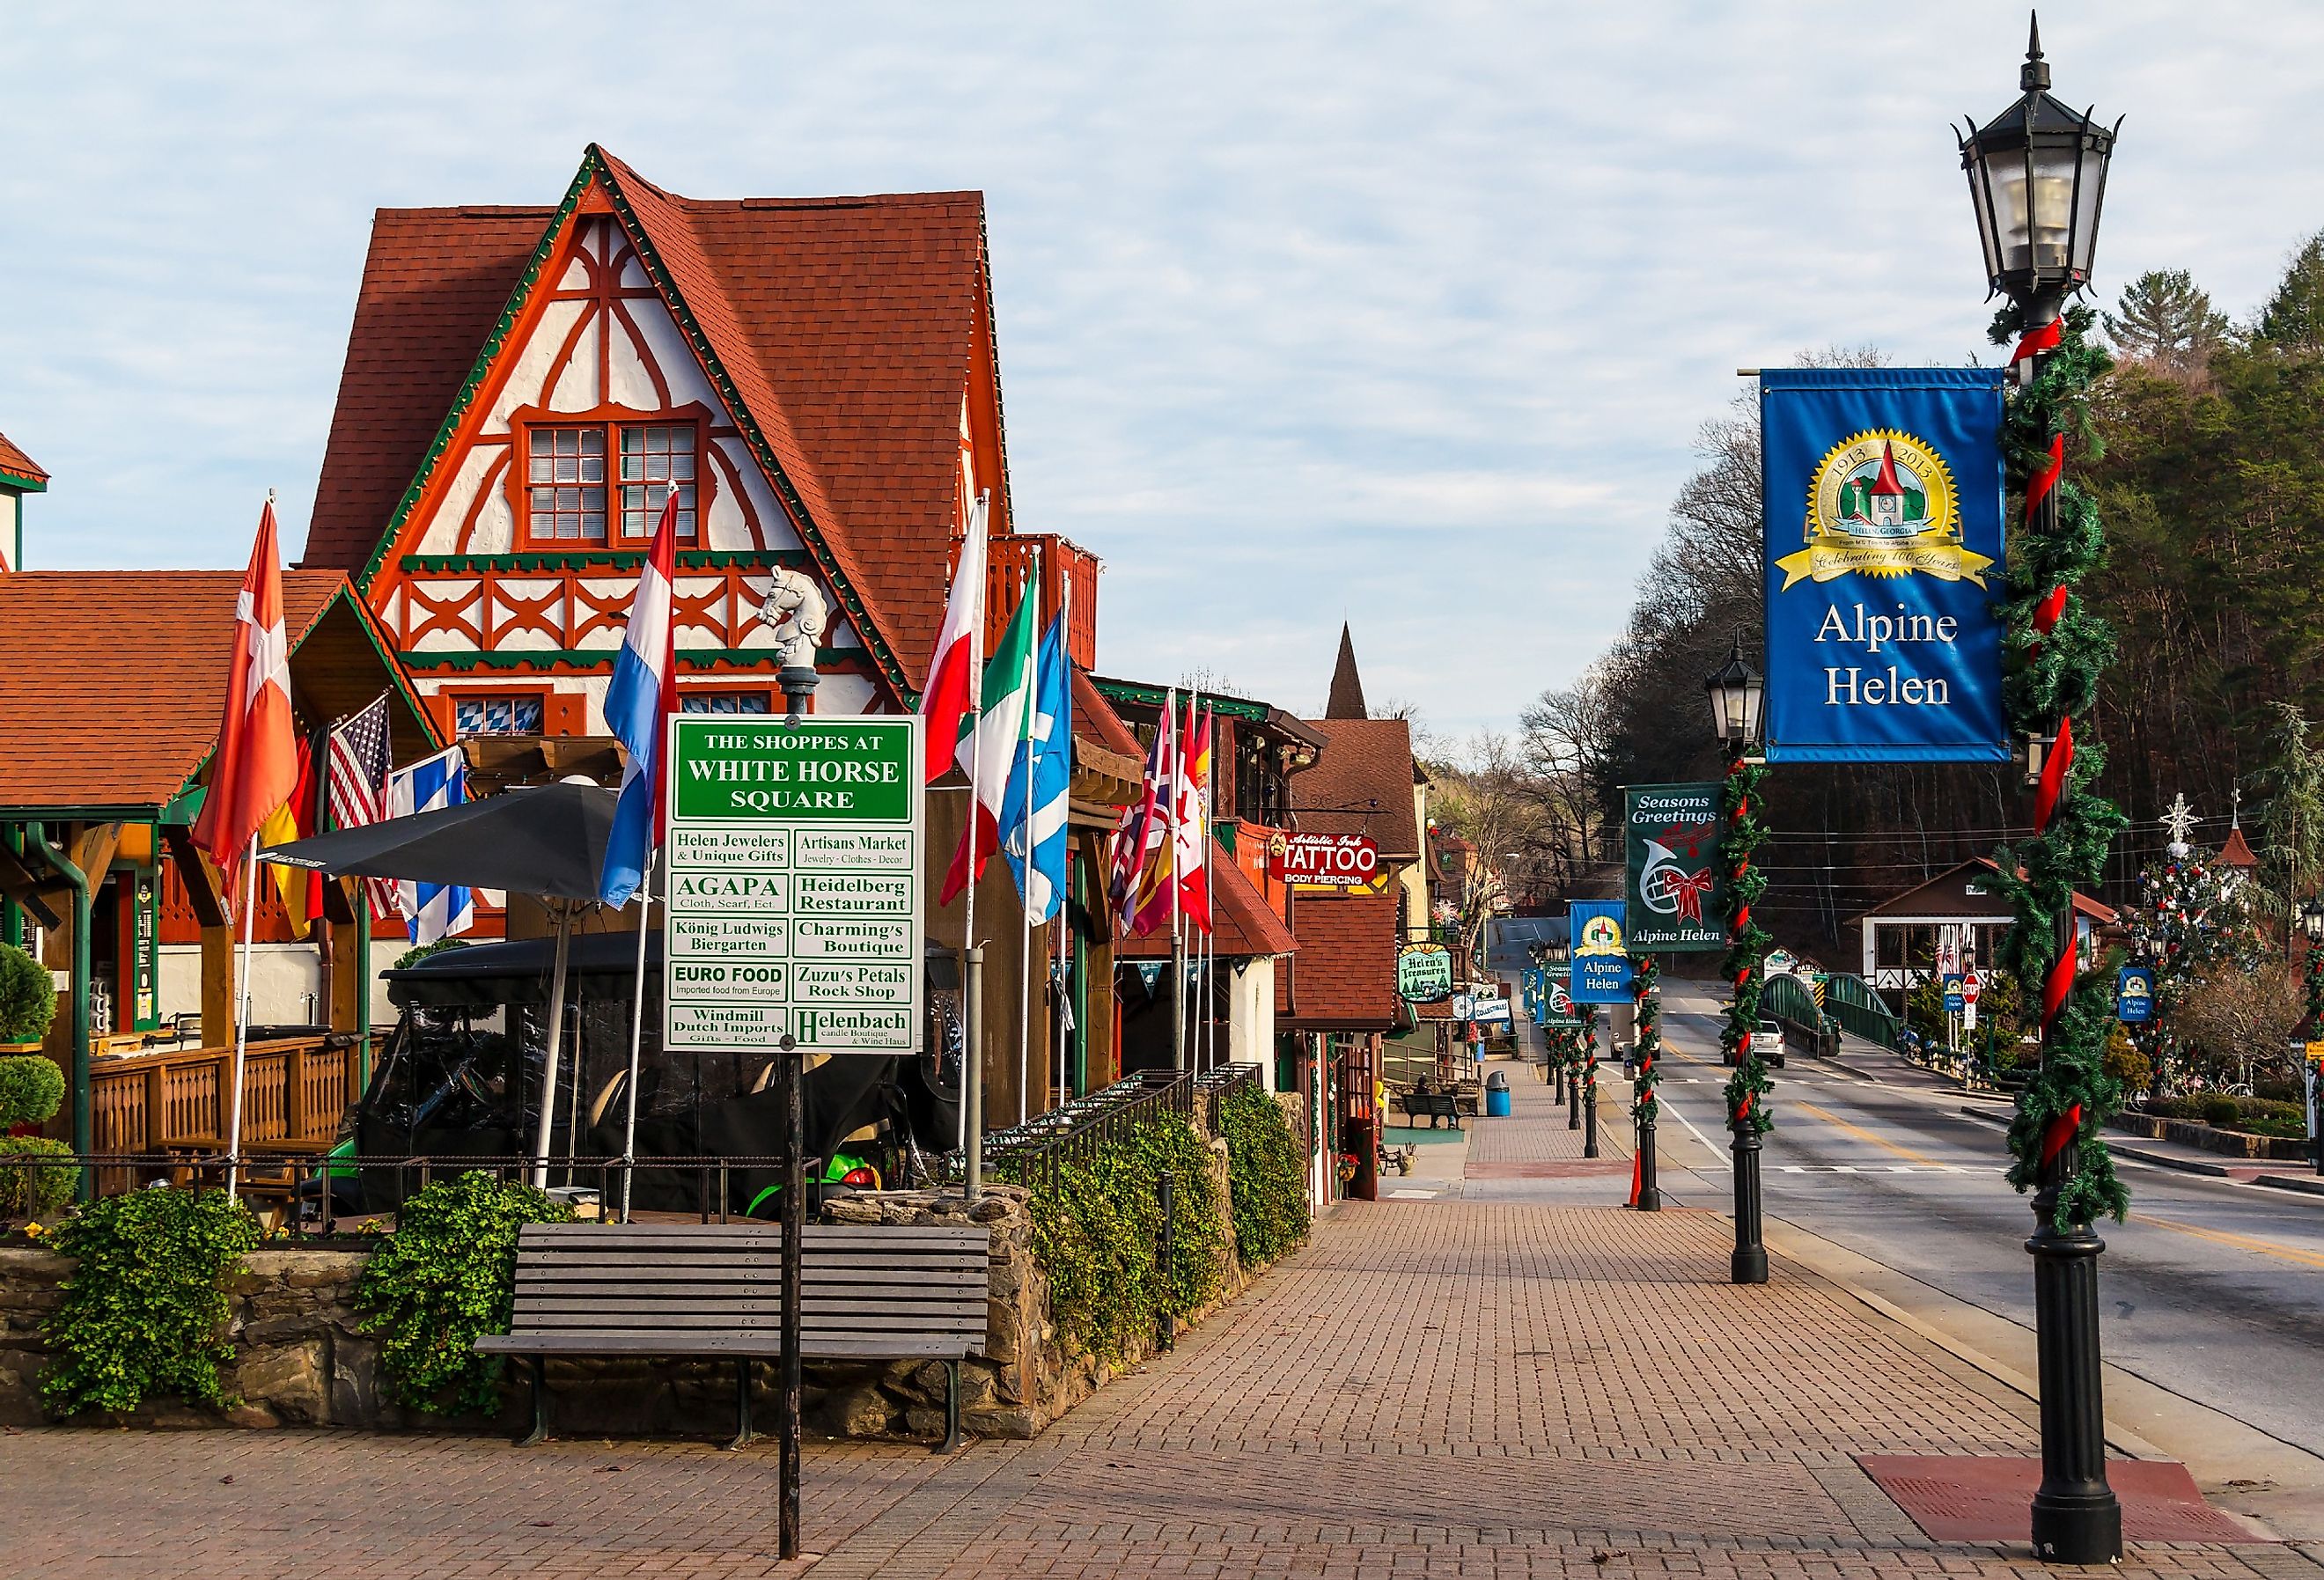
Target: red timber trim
714	607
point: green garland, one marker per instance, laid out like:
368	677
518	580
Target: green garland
1645	1105
2054	675
1747	944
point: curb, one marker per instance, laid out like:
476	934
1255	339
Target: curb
2308	1184
2137	1154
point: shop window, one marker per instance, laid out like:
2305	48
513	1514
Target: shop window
724	702
565	485
497	715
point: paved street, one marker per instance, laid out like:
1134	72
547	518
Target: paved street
1529	1385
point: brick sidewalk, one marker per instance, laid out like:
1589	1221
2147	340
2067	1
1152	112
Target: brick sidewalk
1446	1388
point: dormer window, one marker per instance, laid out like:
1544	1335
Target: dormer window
570	501
565	485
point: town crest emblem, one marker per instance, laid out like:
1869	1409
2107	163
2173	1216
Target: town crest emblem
1883	503
1600	935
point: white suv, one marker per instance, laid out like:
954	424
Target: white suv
1767	1042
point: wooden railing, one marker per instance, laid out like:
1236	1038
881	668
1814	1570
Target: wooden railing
293	1092
1009	565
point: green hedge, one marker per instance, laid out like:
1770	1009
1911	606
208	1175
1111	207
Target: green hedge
2261	1116
144	1311
1097	1230
36	1191
443	1279
1266	1171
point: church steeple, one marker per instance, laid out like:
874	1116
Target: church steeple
1347	698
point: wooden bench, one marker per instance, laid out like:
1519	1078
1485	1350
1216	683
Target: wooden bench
1435	1106
869	1293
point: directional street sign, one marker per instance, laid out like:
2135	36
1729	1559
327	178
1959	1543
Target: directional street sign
795	889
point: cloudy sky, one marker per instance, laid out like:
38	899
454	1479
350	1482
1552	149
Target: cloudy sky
1404	314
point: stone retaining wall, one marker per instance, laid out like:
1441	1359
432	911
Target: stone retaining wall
300	1361
2228	1143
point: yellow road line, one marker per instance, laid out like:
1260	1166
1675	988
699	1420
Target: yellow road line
2240	1241
1861	1134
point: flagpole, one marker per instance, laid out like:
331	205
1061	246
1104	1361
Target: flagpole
971	956
1025	890
241	1019
1210	892
1066	643
637	1032
1177	931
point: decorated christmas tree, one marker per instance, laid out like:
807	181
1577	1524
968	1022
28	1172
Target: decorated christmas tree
2198	914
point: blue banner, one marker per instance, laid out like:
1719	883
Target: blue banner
1882	489
1601	957
2133	995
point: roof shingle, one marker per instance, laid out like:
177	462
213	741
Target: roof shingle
1345	974
1360	783
15	463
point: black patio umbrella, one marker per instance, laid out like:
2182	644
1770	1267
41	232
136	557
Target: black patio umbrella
543	839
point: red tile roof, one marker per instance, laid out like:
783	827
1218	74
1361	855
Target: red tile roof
1360	783
1246	924
15	463
847	325
1095	718
110	680
1343	977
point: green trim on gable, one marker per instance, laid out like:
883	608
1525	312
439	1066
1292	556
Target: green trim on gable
19	481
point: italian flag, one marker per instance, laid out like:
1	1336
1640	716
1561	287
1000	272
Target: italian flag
987	750
948	701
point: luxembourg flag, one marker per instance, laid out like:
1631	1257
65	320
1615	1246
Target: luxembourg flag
638	705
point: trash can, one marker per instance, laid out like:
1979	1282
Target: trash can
1496	1094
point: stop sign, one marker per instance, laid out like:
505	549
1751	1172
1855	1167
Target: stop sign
1969	985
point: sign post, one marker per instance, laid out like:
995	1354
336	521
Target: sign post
793	925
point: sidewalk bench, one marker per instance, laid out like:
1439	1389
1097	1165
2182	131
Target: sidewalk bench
715	1290
1435	1106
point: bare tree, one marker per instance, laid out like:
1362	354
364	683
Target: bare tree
2246	1017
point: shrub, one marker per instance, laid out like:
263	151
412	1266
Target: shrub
2124	1065
419	952
28	996
31	1090
1097	1230
34	1191
443	1279
145	1310
1267	1176
2220	1110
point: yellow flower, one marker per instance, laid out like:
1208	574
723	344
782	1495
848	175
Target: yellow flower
33	1230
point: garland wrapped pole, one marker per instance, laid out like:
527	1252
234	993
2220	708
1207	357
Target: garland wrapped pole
2038	253
1573	1069
1745	964
1644	1194
1590	1083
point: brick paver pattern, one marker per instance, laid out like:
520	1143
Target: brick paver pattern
1432	1388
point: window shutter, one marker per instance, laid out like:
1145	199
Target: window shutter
564	713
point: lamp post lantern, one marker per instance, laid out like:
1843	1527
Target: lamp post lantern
2312	924
1736	692
2037	177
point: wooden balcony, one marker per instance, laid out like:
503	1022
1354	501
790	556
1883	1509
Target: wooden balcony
294	1093
1009	565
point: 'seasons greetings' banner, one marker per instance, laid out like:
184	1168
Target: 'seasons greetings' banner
1883	502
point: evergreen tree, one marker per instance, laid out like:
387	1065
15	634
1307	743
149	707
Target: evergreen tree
2294	780
2165	316
2293	318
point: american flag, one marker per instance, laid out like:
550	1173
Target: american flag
358	786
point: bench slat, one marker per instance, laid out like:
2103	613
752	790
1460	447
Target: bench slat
768	1346
709	1282
821	1321
898	1297
678	1234
749	1261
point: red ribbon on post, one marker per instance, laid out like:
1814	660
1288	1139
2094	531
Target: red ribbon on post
2048	338
2038	488
2060	1134
2059	983
2054	775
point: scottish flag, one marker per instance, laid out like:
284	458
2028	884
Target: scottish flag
432	910
642	697
1037	821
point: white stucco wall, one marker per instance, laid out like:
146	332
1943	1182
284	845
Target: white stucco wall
281	977
1251	1019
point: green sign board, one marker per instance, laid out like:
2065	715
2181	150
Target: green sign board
1423	974
794	885
1674	890
1558	1008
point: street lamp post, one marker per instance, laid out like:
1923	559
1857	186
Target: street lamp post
2312	924
1736	692
2037	177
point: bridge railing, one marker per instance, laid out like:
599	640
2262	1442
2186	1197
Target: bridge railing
1850	1003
